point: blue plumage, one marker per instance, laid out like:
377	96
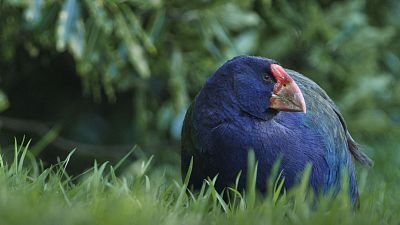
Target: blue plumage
234	112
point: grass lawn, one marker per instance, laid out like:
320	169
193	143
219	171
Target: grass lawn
146	193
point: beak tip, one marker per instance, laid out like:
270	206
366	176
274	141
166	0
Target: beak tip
299	99
303	106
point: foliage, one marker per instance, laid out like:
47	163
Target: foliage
144	194
162	51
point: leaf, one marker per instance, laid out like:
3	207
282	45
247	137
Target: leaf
135	51
77	40
67	17
251	181
99	13
137	29
70	29
4	103
235	18
33	13
157	25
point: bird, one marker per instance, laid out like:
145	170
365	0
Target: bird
252	103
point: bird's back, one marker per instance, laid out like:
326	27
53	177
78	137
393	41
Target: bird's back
323	100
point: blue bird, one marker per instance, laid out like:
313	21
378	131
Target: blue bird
252	103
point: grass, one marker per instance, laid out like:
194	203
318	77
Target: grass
145	193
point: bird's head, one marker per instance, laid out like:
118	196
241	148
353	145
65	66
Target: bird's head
261	86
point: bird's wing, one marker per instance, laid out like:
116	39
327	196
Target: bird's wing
191	150
188	142
318	92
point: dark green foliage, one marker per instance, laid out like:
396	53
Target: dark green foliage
142	62
160	52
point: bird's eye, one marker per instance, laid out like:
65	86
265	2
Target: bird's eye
268	78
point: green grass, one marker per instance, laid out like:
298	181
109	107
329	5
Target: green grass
144	193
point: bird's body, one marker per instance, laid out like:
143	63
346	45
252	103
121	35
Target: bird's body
232	114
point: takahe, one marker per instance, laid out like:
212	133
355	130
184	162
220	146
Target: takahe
252	103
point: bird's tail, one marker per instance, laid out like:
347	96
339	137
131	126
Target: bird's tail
357	153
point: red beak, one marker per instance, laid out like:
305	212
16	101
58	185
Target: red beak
286	95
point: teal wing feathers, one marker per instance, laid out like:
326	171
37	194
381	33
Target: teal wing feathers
323	102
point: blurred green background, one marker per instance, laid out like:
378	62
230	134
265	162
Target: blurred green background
101	75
